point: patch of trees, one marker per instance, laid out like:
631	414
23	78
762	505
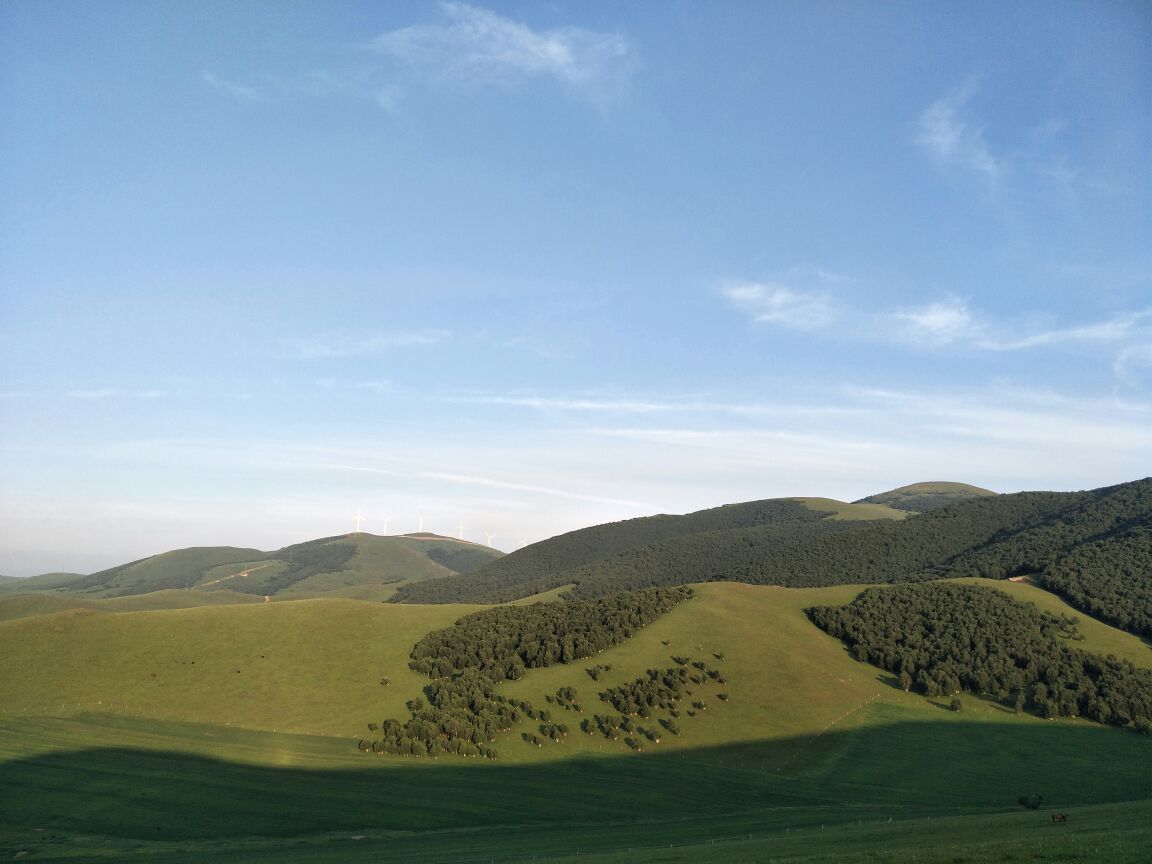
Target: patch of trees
464	713
504	641
943	638
641	699
566	697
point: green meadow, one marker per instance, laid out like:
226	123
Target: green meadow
228	734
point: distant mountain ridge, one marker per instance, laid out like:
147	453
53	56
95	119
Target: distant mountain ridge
349	564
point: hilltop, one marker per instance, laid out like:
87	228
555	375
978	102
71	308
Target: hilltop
922	497
358	565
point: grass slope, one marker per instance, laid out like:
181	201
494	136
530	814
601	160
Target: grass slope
29	605
360	565
813	755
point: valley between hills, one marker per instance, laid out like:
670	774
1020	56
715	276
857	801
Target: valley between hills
651	690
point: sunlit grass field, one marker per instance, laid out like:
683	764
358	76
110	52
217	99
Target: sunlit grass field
815	757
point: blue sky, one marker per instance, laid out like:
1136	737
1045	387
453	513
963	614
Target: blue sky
533	266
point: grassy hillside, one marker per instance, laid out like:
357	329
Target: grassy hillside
29	605
363	565
12	584
181	568
316	665
815	753
306	666
922	497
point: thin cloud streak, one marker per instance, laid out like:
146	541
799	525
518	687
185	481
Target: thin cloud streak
778	304
950	138
116	393
948	322
478	46
538	490
646	406
334	347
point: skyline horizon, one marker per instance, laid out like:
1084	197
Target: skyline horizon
422	530
545	266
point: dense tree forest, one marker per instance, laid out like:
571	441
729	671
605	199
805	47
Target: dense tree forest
1110	579
544	566
463	712
941	638
1080	544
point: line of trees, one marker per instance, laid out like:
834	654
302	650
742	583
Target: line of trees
942	638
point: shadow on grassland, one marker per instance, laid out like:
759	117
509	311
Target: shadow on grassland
901	770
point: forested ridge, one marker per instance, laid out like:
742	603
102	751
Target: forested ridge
463	712
1090	547
1110	579
942	638
543	566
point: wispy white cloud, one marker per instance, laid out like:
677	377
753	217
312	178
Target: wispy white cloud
946	323
235	89
116	393
326	347
479	47
935	324
606	405
532	488
1112	331
1133	363
356	386
945	130
779	304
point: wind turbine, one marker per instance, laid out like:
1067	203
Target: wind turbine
489	536
421	524
386	521
461	529
359	519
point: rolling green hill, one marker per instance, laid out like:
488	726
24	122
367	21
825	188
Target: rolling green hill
362	565
187	711
728	728
922	497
